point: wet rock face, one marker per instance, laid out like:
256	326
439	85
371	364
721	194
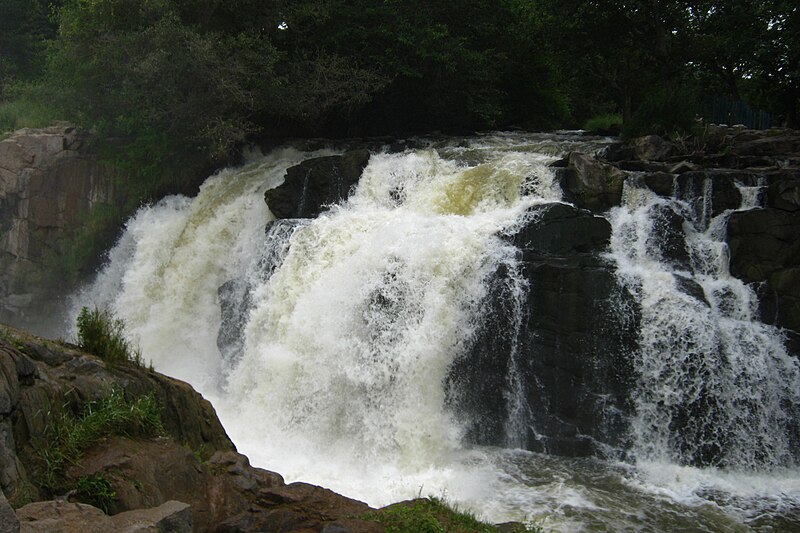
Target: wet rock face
765	249
590	183
316	183
564	348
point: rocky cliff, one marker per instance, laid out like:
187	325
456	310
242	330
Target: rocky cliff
49	183
189	478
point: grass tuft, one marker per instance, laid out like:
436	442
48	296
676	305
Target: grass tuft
68	437
98	491
102	334
603	122
434	515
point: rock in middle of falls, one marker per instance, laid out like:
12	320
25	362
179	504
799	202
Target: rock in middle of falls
552	371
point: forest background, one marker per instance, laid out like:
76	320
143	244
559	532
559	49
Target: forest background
171	89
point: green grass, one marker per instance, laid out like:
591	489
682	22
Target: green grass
98	491
102	334
603	122
68	437
433	515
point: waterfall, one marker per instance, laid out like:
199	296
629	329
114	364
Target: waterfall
327	345
715	385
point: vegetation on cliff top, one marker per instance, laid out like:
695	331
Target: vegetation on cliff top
172	87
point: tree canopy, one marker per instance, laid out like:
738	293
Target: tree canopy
186	82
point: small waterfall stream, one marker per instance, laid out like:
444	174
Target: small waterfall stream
339	334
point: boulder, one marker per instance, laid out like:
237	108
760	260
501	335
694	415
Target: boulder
60	516
8	519
778	145
591	184
560	229
316	183
568	342
661	183
783	191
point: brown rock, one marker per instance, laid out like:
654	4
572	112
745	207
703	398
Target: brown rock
66	517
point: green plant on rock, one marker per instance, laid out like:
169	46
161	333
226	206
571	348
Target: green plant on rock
102	334
98	491
68	437
434	515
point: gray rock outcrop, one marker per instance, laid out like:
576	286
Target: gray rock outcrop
49	182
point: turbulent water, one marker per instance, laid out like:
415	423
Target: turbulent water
354	318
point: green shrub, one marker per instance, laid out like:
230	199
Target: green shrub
98	491
664	112
102	334
433	515
24	107
68	437
603	122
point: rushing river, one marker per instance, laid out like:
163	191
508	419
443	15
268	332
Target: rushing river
331	388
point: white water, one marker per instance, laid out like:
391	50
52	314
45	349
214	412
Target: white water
349	341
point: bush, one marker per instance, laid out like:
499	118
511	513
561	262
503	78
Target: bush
25	108
98	491
68	437
433	515
664	112
103	335
604	122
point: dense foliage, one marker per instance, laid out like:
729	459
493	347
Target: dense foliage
172	87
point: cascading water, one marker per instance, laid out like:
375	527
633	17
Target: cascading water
339	334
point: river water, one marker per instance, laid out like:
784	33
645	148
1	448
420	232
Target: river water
355	317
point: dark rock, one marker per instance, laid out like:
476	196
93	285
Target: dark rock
667	239
566	338
591	184
643	166
316	183
559	229
762	242
617	152
773	146
660	183
719	185
691	288
784	193
765	249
